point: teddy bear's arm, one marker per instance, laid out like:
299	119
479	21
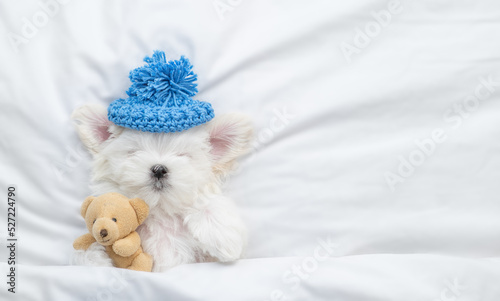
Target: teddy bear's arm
83	242
128	245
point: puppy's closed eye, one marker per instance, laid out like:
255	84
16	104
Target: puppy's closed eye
187	155
132	152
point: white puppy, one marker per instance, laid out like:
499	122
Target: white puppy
179	175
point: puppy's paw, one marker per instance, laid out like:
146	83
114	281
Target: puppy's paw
95	255
222	238
227	247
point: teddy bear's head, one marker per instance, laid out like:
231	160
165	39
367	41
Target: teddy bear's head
112	216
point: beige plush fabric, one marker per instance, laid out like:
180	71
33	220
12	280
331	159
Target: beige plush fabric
111	220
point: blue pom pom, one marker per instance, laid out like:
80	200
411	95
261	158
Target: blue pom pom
164	83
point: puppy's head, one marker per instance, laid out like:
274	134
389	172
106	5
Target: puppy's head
164	169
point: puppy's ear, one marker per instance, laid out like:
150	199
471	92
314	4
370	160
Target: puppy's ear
230	137
141	209
93	126
85	205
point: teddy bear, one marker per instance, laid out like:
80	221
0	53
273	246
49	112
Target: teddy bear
112	219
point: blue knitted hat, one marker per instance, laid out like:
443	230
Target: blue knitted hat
160	98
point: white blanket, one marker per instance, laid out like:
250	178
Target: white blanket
374	174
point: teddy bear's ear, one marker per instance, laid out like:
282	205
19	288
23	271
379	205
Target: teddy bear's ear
141	209
85	205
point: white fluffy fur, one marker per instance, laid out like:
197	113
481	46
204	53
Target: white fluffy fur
94	256
190	220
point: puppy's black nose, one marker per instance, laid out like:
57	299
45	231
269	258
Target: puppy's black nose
104	233
159	171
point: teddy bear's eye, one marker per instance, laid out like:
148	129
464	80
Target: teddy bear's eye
93	222
114	219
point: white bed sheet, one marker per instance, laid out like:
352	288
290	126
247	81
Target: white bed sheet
330	127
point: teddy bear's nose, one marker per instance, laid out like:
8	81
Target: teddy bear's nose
159	171
104	233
